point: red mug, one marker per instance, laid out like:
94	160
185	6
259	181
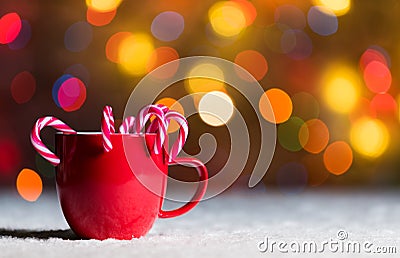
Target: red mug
116	194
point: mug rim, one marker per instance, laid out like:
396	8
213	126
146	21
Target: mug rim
100	133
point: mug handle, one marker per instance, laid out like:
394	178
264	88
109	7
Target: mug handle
201	190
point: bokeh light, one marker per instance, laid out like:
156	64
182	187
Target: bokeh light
288	134
103	5
303	47
134	53
113	45
341	89
322	20
227	18
98	18
292	178
314	136
290	15
377	77
23	37
218	40
167	26
72	94
29	185
383	106
10	27
23	87
305	106
398	105
254	62
200	78
248	9
288	41
273	38
161	56
215	108
78	36
275	106
341	95
338	157
382	51
369	137
374	54
339	7
10	156
69	93
172	104
57	86
296	44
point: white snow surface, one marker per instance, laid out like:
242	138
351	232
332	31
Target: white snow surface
229	225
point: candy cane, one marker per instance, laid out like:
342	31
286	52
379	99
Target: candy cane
37	141
127	124
183	132
155	123
143	116
107	127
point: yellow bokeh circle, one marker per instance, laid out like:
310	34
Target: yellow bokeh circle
369	137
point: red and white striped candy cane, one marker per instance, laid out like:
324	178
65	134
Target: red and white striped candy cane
129	122
107	127
37	142
183	132
127	125
155	124
164	108
144	115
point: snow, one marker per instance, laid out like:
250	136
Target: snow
229	225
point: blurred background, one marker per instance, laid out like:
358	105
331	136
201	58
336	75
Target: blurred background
328	67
